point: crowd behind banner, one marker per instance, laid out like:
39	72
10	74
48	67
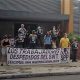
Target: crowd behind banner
38	40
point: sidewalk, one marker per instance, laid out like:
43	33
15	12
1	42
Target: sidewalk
39	70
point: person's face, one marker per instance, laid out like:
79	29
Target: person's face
54	27
22	25
33	32
65	35
74	40
48	33
6	36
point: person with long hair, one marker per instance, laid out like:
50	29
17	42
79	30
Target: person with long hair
4	44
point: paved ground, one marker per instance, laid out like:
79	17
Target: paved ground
66	77
39	70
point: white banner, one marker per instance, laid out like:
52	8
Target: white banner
21	56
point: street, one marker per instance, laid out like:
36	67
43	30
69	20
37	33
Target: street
64	77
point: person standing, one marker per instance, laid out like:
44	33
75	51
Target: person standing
54	44
33	40
40	36
4	44
12	41
54	33
64	41
20	42
21	35
65	45
58	31
47	40
74	47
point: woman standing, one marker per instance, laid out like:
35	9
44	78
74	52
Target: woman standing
4	44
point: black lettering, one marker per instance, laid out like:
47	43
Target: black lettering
36	51
44	57
9	50
52	56
28	51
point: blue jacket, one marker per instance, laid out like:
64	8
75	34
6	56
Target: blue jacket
47	39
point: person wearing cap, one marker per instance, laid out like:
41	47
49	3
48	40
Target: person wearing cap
33	40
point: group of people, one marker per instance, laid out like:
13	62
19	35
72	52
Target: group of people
36	40
73	45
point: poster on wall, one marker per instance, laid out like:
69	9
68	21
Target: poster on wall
21	56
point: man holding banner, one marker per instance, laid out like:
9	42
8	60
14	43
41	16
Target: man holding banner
65	45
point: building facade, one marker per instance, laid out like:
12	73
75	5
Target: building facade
76	16
33	13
